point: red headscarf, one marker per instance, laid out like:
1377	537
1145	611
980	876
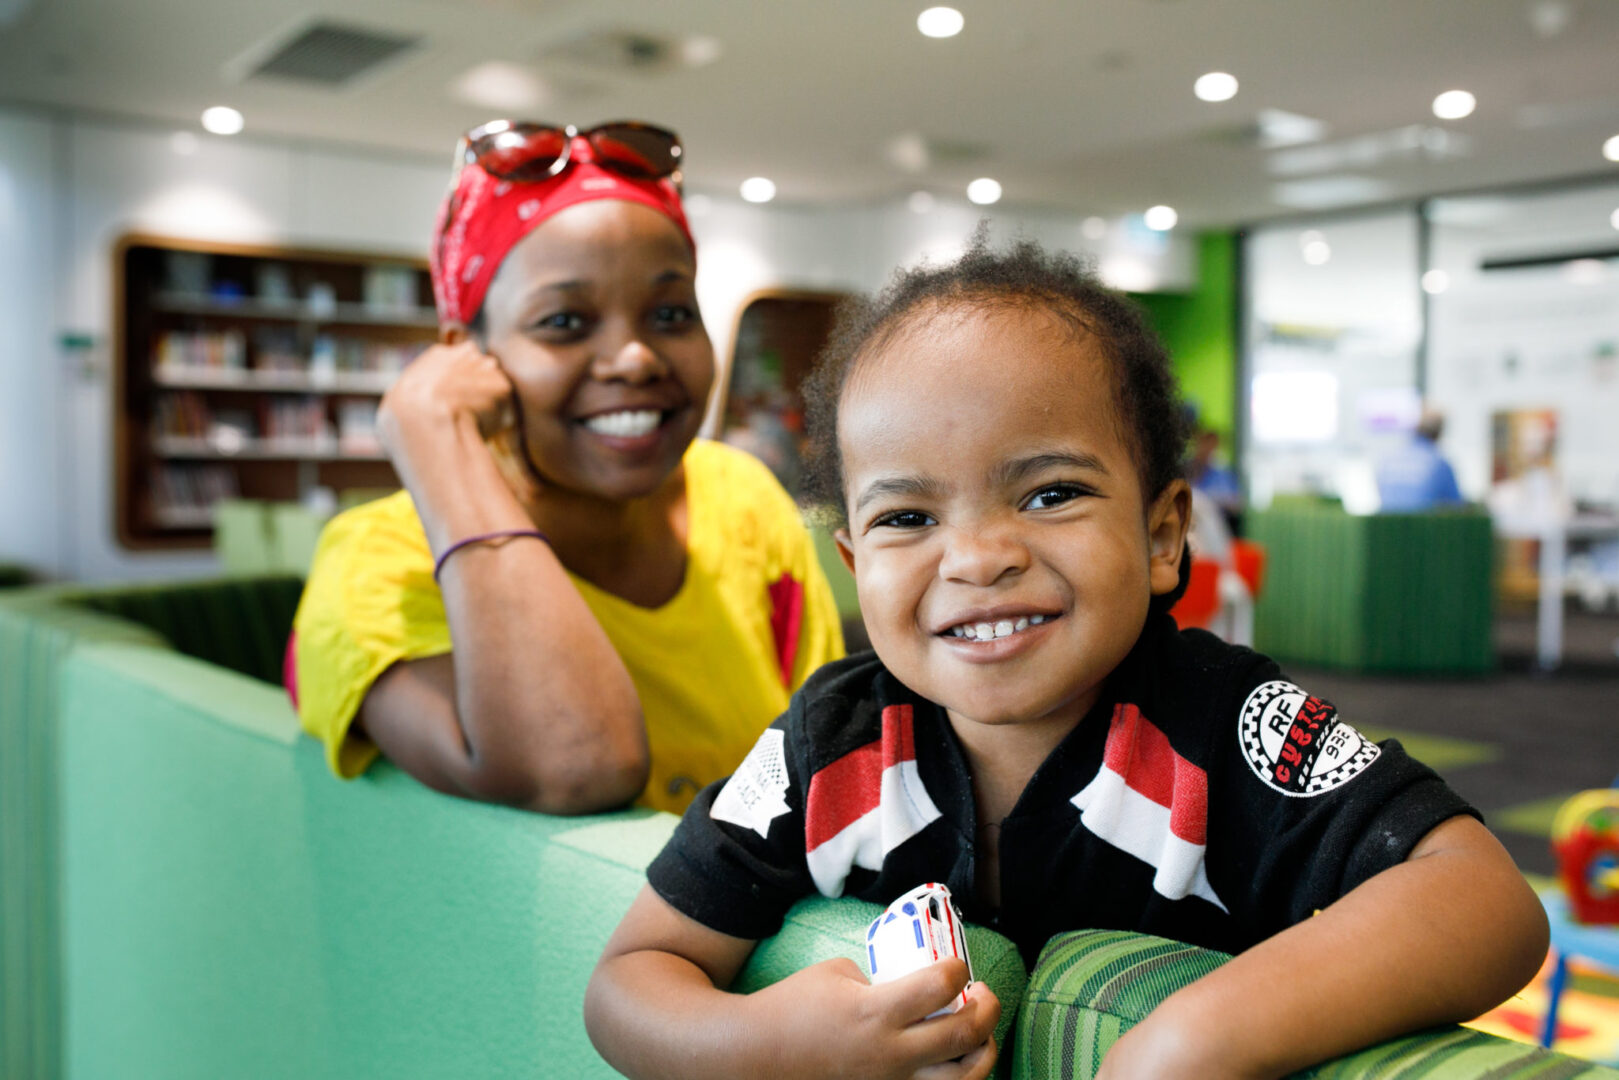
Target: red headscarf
492	215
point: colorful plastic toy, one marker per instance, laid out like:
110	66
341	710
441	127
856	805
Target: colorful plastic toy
920	928
1585	837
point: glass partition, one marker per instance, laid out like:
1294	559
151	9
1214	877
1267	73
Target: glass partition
1524	337
1334	326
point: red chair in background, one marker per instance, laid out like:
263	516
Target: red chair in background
1221	599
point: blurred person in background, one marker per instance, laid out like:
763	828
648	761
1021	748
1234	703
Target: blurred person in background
1417	477
1216	481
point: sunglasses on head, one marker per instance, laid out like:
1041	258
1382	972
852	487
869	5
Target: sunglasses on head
525	151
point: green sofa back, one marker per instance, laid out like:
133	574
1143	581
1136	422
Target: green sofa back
37	631
225	907
231	909
1398	593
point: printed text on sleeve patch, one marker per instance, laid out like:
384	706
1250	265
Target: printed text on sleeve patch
1296	744
754	795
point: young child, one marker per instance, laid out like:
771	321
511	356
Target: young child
1003	442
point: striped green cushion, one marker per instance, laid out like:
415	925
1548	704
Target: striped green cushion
1090	986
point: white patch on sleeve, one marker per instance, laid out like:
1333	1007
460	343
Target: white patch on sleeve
754	796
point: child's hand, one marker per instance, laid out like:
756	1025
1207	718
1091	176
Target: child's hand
831	1022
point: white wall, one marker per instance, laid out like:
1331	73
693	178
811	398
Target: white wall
1535	338
70	186
31	483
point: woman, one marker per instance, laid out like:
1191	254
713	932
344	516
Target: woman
618	609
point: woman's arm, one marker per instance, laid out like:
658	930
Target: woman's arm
653	1009
1440	938
536	709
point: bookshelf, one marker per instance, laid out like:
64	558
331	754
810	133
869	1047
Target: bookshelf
253	372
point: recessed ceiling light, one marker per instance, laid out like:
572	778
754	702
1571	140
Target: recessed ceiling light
1585	271
497	84
921	202
1313	247
700	50
1613	219
1610	149
758	189
1435	282
984	191
1215	86
1454	104
1161	218
1094	228
222	120
1550	17
940	22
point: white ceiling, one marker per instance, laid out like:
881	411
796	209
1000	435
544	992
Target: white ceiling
1079	104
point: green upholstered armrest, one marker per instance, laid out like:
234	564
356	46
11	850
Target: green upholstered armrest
1090	986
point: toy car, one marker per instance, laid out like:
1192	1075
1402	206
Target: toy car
920	928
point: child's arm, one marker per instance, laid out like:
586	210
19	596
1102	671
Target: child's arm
1439	938
656	1007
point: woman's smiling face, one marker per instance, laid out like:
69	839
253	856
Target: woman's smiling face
1002	549
593	315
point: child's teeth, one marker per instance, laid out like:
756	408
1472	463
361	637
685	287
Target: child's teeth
1003	628
1036	620
629	423
983	631
1021	624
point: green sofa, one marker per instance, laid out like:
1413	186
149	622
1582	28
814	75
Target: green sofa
188	892
1389	593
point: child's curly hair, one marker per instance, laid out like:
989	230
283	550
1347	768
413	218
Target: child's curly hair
1024	277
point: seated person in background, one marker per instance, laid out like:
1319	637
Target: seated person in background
572	604
1035	733
1216	481
1417	477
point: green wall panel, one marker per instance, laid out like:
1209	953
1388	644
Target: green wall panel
1199	330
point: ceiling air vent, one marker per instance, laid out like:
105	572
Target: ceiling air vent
328	54
618	50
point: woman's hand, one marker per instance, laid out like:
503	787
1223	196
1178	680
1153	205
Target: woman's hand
449	390
446	384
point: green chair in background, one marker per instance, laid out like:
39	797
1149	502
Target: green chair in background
1391	593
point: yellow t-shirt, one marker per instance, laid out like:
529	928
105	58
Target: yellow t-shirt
712	667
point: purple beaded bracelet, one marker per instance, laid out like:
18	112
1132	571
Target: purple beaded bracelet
503	534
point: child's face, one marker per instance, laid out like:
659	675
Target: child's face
594	317
989	485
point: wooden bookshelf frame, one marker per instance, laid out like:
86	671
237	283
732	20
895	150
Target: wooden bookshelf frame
138	523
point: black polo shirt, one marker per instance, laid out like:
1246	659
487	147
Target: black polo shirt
1205	798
